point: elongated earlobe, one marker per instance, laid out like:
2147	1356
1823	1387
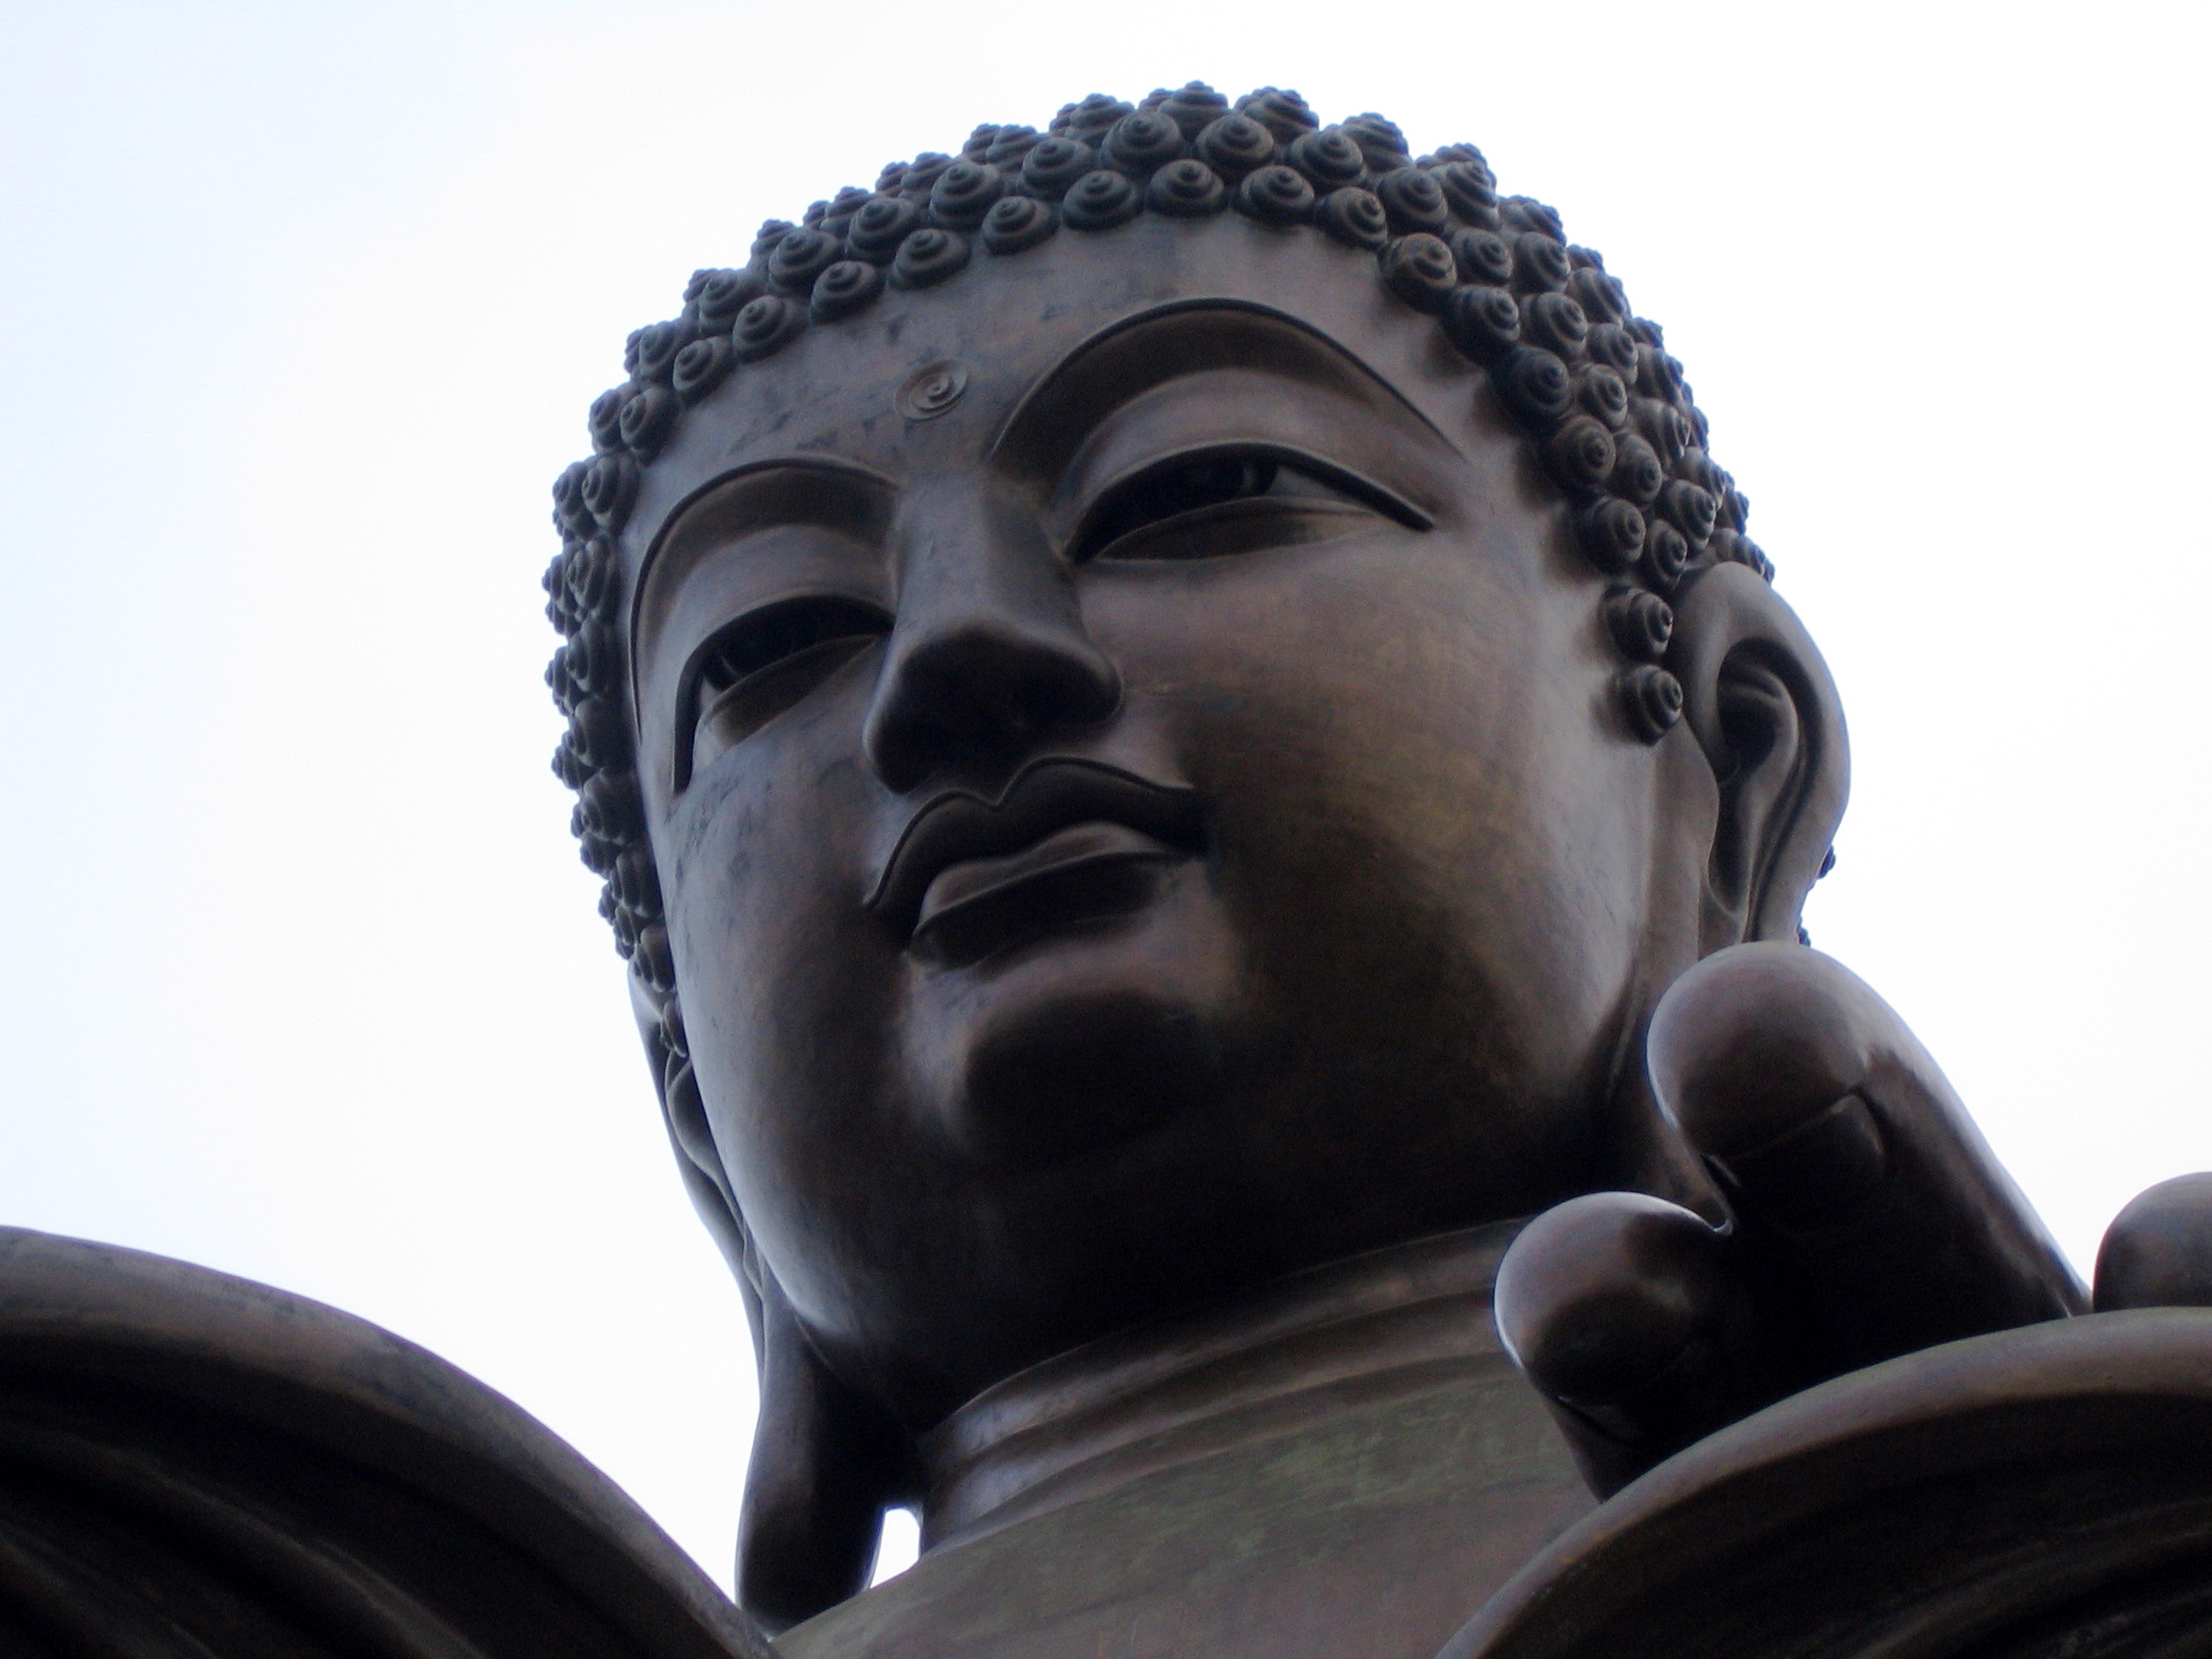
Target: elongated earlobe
1760	702
825	1464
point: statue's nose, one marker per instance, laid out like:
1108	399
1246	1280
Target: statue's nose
988	658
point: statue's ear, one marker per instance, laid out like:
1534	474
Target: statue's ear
825	1464
1762	706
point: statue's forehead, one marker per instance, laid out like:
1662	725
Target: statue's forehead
1000	329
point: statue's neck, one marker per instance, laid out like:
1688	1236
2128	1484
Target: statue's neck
1078	1426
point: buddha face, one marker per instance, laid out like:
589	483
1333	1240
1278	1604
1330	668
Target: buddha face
1129	745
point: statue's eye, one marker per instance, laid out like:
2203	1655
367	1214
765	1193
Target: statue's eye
763	663
1230	502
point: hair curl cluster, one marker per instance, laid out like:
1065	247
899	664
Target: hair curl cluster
1589	383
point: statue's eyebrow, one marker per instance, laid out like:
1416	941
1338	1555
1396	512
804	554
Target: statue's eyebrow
1169	343
797	489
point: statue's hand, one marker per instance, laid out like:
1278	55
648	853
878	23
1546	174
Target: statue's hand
1869	1219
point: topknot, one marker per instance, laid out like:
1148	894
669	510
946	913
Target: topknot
1590	383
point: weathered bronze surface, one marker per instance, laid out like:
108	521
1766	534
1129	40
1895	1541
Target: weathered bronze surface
192	1464
1183	734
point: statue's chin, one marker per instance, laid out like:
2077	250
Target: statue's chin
1086	1031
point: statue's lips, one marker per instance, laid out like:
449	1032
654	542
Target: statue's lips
1061	826
1077	874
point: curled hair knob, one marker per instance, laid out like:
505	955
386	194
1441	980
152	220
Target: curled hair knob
1421	270
1604	394
609	807
570	513
1285	115
610	486
1651	699
657	346
1195	107
1483	256
1275	195
1666	556
1234	146
1582	456
725	293
799	258
569	766
1641	623
1186	189
637	884
593	580
880	225
1052	167
921	175
606	416
1095	117
1099	201
846	287
1017	222
1637	474
847	201
647	418
1691	509
1540	263
1535	386
1733	547
1353	216
1610	534
1012	147
928	257
1328	158
1555	322
1658	375
1414	201
771	232
652	961
1483	321
765	326
1141	143
1526	213
1600	296
1615	347
1663	428
964	192
598	735
1470	193
1382	142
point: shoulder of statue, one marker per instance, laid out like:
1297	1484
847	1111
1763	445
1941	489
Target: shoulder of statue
197	1464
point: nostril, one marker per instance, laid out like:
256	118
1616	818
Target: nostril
1066	695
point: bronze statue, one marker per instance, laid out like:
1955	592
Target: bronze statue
1162	704
1208	804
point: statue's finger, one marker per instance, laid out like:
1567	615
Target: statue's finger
2158	1252
1874	1218
1621	1309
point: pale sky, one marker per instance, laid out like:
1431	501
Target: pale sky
300	309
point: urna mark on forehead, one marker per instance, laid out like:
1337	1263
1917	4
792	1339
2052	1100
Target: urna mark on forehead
1586	383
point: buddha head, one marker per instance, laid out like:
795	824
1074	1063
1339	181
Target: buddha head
1158	702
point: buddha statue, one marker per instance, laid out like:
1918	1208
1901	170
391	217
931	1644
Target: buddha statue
1183	734
1208	805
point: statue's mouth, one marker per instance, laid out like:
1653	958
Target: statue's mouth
1069	840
